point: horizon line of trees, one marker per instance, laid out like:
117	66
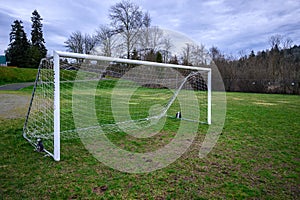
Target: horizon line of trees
269	71
22	52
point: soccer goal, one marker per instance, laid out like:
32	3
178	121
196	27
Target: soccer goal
78	95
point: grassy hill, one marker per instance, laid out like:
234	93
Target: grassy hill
16	75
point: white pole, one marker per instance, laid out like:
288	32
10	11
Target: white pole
209	97
56	154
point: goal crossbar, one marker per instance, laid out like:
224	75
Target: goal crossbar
122	60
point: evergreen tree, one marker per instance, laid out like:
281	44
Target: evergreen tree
38	49
18	50
158	57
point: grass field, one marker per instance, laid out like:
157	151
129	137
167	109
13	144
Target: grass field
256	157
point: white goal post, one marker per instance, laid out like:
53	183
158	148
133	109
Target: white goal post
74	93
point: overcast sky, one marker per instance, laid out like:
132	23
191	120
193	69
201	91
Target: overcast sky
232	26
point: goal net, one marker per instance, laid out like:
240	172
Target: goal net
78	96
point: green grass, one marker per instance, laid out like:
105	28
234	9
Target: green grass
256	157
16	75
140	103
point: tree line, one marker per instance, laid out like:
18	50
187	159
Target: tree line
274	70
24	53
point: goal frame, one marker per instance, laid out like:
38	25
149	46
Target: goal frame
60	54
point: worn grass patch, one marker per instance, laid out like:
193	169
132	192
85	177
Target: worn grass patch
256	157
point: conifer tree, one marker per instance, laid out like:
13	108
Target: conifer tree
38	49
18	49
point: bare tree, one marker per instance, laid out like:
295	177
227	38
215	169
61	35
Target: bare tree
89	43
127	19
198	55
275	41
193	54
144	34
150	39
75	42
186	54
106	38
231	72
79	43
287	43
166	47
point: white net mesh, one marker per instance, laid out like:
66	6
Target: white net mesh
114	98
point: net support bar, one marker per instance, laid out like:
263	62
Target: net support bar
209	97
56	105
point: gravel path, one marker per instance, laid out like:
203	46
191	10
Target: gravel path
15	86
14	105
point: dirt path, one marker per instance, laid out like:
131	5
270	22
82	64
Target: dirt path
13	105
15	86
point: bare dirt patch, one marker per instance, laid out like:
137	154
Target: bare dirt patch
13	106
265	103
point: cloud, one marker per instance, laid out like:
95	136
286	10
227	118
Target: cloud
230	25
60	18
243	25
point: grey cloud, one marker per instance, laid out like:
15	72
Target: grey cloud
230	25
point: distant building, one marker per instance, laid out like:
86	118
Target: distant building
3	60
